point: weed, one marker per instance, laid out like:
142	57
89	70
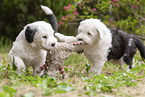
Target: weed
5	44
112	78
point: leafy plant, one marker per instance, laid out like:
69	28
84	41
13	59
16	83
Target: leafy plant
5	45
29	94
17	13
4	94
61	88
9	90
114	13
103	83
110	81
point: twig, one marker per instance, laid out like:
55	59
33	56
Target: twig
117	14
141	37
73	23
140	22
138	16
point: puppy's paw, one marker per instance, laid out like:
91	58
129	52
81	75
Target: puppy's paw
63	38
59	37
94	71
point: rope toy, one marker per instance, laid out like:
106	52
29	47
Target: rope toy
56	57
77	43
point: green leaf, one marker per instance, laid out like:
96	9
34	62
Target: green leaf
4	94
88	66
135	70
28	94
4	61
9	90
13	66
9	67
65	88
66	70
44	83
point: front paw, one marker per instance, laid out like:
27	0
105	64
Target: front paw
59	37
94	71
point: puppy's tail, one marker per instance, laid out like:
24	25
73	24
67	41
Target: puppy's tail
139	44
51	16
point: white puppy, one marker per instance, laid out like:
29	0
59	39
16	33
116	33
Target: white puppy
30	45
98	39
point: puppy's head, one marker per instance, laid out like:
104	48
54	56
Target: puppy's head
41	35
91	30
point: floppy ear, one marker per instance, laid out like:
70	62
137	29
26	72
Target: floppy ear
101	33
29	34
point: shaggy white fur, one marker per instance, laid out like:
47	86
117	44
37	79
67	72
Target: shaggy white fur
98	39
63	38
30	45
105	44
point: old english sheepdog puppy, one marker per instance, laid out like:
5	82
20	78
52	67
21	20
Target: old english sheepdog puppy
31	45
103	44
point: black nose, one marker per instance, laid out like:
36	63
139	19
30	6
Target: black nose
53	44
80	39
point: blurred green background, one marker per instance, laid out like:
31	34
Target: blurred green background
127	15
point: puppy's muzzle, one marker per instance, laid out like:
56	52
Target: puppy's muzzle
53	44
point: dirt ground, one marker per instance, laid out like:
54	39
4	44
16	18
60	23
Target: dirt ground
78	84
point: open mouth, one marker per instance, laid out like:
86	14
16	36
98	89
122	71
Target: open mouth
78	43
83	43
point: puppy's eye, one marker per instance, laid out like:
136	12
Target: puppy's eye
89	33
45	37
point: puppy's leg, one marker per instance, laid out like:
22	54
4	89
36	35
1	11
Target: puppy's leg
128	60
97	67
63	38
36	66
35	70
125	60
18	62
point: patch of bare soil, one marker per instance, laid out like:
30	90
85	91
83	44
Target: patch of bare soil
25	89
134	91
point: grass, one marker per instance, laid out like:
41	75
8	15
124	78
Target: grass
79	81
5	45
112	82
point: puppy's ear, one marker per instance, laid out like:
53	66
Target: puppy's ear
29	34
101	33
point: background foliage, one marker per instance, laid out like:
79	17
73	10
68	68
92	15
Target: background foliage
16	14
127	15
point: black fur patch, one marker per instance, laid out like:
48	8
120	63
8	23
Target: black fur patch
124	46
53	22
29	34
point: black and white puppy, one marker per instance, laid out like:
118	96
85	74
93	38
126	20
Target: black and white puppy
103	44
